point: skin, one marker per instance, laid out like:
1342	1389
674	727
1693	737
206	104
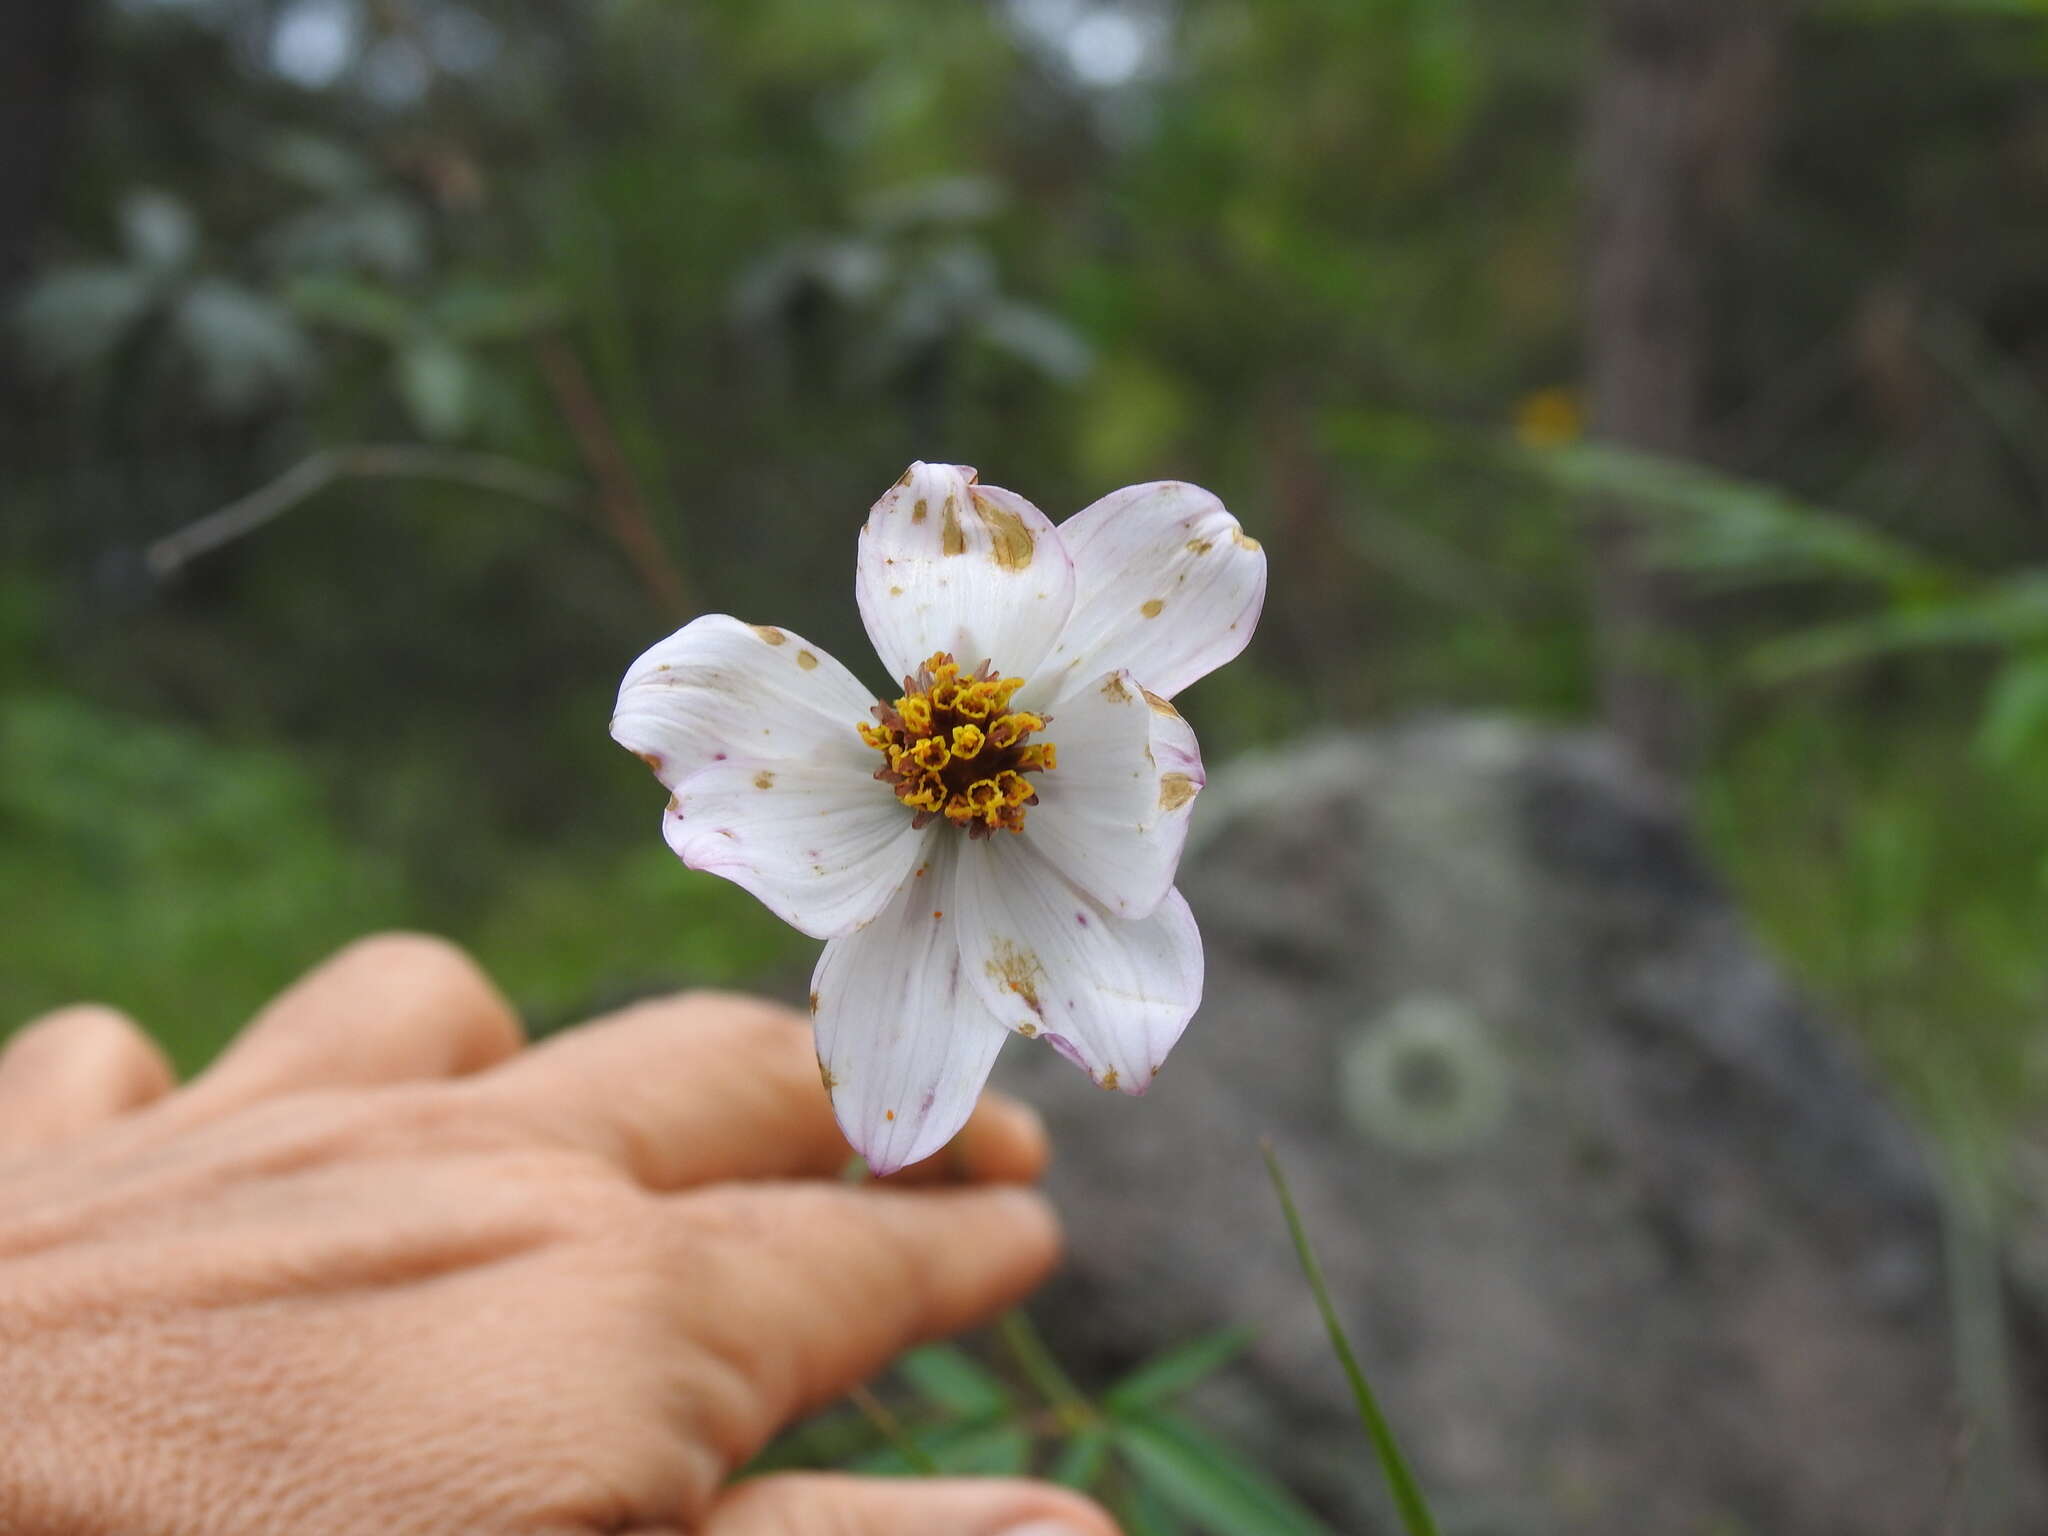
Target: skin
382	1269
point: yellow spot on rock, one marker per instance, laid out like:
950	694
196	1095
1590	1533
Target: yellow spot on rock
1175	791
769	633
764	780
1152	607
806	660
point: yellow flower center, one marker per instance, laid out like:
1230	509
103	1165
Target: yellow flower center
953	747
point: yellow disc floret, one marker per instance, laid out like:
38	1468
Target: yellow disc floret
953	747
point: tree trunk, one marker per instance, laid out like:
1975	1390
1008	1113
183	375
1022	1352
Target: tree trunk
42	59
1674	144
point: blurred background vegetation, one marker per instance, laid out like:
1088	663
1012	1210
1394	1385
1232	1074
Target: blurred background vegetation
382	375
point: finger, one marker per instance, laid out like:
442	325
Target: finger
389	1008
831	1504
69	1071
711	1086
808	1289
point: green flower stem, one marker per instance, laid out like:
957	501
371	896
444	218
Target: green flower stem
892	1430
1020	1335
1408	1499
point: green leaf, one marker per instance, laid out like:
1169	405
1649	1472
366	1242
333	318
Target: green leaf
349	304
1175	1371
1743	532
953	1380
2016	714
477	312
1081	1458
1144	1513
1198	1477
436	382
2009	612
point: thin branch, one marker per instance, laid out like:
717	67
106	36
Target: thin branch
618	490
892	1430
314	473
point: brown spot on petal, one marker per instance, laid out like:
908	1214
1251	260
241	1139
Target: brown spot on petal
1027	1030
1151	607
1113	689
1011	541
952	539
1244	540
895	591
769	633
651	759
806	660
1199	546
1109	1079
1175	791
814	1006
888	1114
1161	706
764	780
1020	970
921	511
826	1076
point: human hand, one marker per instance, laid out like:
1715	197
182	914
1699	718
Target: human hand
381	1270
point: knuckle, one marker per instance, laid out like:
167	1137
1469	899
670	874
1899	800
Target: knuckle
747	1022
425	961
426	952
91	1031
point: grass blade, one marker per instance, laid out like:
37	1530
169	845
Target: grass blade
1414	1509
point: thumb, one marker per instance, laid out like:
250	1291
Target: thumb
830	1504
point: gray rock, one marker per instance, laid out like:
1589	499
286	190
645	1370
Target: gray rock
1628	1240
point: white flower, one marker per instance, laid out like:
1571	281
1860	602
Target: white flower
995	850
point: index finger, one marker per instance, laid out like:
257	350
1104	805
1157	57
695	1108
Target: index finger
707	1086
807	1290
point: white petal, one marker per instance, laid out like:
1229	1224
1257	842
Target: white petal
1113	816
1110	994
949	565
903	1042
824	848
718	689
1166	584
